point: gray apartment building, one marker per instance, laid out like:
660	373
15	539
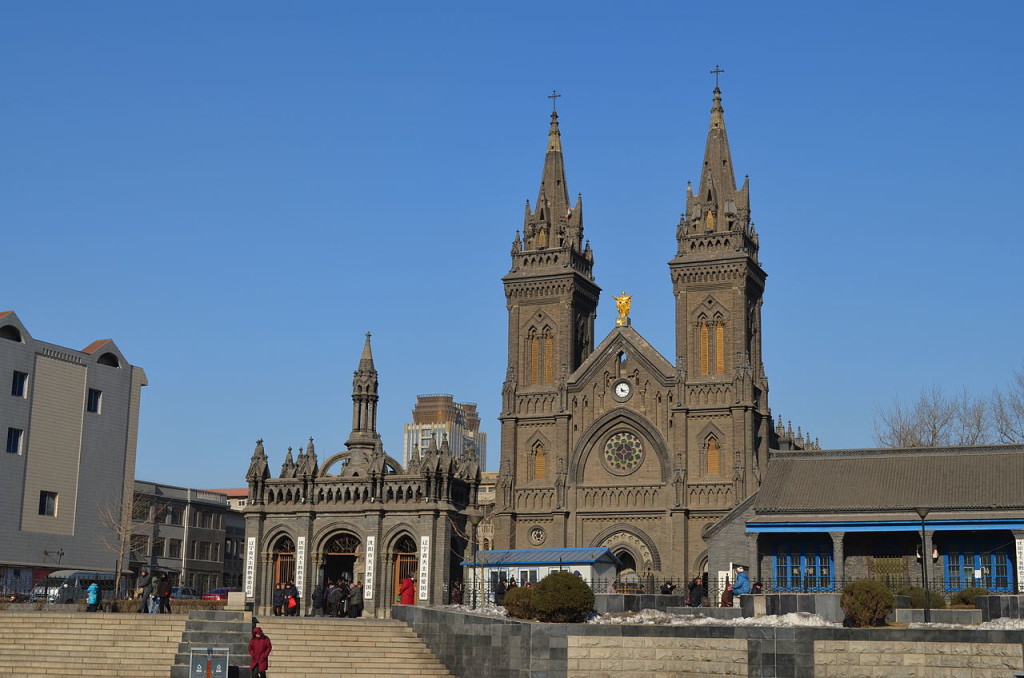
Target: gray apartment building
69	419
192	535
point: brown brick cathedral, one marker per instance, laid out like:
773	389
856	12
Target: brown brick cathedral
620	446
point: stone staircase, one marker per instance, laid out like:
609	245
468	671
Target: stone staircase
215	629
82	644
315	647
157	645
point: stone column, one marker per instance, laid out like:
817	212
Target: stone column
838	557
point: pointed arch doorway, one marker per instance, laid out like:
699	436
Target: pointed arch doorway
341	553
406	562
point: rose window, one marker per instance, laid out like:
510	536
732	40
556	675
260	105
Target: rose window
623	453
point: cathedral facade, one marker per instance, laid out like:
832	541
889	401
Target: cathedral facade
619	445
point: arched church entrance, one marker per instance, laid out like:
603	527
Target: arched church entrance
628	561
284	560
341	554
406	562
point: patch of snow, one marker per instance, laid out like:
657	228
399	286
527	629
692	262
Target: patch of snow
656	617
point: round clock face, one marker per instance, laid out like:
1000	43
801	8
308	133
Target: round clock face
623	390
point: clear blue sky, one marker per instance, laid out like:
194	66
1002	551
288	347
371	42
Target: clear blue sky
235	192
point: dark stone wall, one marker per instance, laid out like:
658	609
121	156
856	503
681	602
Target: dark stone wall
477	645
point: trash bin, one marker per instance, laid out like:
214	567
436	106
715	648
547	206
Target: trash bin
208	662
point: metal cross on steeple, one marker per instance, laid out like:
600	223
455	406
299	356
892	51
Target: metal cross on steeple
554	99
716	72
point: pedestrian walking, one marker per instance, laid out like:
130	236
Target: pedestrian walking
145	590
316	601
92	597
355	600
163	593
259	653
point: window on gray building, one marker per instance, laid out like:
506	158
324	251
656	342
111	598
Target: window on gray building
139	542
174	548
94	403
47	503
19	384
157	549
14	440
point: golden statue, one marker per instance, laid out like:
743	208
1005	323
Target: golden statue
622	305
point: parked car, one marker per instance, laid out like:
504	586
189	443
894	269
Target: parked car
184	593
219	594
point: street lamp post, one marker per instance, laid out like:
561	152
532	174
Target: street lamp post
923	512
474	519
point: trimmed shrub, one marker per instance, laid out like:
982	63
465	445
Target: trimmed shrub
916	595
562	598
866	602
518	603
966	596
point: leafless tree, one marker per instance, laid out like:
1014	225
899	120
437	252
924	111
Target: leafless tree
934	420
119	526
1008	410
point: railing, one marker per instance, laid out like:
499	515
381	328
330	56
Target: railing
489	592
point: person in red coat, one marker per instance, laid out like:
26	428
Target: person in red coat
407	591
259	651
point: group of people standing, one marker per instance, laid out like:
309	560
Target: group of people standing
338	599
285	599
154	593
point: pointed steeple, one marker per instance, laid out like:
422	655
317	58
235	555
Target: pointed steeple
717	206
366	359
555	223
364	435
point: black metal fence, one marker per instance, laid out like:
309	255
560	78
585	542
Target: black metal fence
490	592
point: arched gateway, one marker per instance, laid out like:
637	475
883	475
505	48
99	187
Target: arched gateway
361	517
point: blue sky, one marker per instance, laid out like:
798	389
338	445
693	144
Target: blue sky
235	192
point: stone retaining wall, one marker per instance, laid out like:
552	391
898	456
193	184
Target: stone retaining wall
476	645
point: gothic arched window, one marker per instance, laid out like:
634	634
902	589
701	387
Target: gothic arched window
539	461
713	457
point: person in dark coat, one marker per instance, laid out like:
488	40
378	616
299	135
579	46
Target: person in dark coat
278	599
407	592
145	591
259	653
316	600
335	601
291	600
668	587
163	592
696	591
355	600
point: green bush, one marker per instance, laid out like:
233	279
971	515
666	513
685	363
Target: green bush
518	603
562	598
866	602
967	596
916	594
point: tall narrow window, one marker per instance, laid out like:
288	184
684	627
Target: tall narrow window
720	347
19	384
704	365
549	358
47	503
540	461
714	457
15	437
94	401
534	343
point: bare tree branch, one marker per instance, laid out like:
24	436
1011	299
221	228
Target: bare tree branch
935	420
1008	410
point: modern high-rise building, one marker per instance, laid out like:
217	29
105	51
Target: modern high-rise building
70	424
437	418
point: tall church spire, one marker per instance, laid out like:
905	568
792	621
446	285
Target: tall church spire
364	435
555	223
717	205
